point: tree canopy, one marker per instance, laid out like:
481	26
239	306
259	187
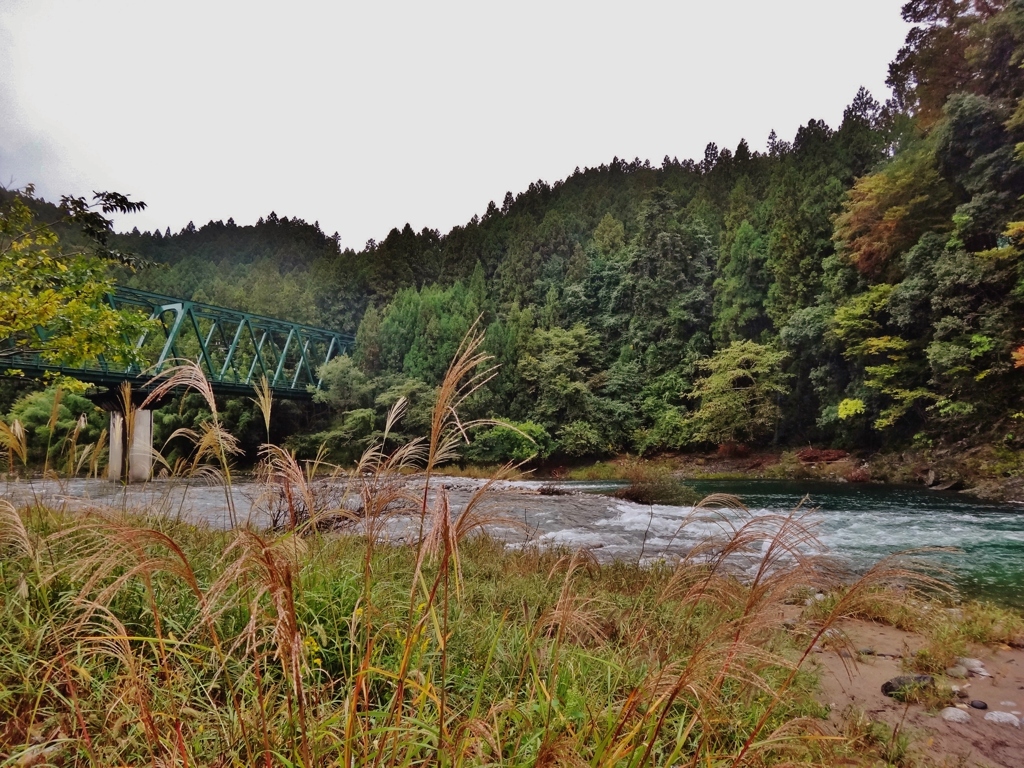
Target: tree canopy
857	284
53	291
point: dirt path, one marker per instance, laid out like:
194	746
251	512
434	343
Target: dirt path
933	740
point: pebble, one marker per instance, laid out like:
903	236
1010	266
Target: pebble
866	651
958	672
1007	703
1003	718
979	704
954	715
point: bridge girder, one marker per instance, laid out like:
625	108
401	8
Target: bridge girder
235	349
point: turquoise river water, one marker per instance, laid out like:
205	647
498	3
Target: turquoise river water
859	523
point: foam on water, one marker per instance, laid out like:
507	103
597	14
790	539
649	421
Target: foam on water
858	523
861	524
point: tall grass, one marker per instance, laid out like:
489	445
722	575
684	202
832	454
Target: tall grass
127	641
14	441
143	641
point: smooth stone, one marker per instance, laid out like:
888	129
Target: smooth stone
972	665
954	715
1007	703
895	687
1003	718
957	672
979	704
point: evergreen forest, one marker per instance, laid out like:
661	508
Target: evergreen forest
857	286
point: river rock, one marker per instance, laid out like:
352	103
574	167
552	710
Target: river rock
971	665
954	715
898	687
958	672
978	704
1003	718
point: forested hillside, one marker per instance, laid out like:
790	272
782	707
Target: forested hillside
859	285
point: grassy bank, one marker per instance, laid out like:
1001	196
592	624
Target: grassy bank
149	642
989	471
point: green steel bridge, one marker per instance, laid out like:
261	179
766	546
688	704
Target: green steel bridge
234	349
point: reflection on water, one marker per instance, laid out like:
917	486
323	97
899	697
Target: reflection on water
861	523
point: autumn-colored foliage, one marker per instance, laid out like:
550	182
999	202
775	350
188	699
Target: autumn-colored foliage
886	212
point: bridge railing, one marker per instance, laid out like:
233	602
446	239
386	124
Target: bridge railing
235	349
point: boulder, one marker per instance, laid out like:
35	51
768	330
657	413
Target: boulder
905	686
972	664
954	715
1003	718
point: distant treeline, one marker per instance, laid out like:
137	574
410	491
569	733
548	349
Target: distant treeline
859	286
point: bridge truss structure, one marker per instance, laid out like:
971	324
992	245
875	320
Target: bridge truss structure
234	349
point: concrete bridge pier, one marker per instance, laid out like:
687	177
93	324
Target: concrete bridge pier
130	459
131	446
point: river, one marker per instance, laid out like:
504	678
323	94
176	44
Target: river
860	523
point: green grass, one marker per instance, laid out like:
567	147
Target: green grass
126	641
718	476
597	472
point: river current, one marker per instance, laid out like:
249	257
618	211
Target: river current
858	523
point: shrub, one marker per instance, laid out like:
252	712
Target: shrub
516	442
654	484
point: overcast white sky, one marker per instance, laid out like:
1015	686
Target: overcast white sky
367	115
